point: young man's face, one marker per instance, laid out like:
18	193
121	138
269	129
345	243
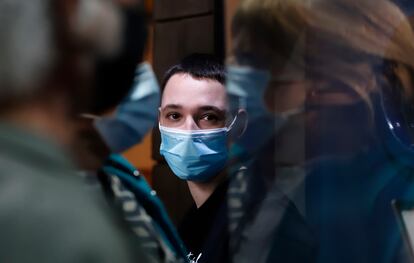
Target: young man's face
192	104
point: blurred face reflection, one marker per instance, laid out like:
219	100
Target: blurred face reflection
193	104
315	90
332	109
338	119
282	96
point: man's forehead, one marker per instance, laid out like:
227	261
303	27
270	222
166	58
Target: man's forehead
187	91
198	107
186	80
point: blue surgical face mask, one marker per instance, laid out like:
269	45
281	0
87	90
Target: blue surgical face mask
196	155
136	114
246	90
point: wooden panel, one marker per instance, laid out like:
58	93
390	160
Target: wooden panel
167	9
176	39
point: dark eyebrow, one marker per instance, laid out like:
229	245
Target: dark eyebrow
171	107
213	108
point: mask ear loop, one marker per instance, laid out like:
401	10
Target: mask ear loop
235	120
230	127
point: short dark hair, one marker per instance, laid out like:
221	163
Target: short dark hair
198	66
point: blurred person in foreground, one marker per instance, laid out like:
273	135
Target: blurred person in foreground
48	52
352	63
105	131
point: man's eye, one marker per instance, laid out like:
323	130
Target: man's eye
173	116
209	117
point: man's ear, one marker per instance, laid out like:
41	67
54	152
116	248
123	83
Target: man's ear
240	124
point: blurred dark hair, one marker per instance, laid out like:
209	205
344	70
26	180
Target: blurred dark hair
198	66
115	75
